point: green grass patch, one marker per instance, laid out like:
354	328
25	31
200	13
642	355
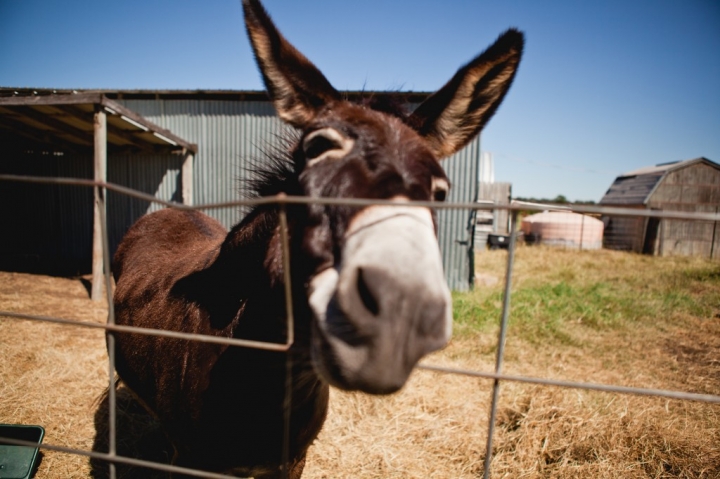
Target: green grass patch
560	291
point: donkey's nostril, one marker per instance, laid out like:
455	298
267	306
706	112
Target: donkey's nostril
366	295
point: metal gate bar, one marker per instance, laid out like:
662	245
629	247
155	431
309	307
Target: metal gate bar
497	376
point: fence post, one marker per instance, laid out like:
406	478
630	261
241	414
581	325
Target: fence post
186	177
110	338
501	342
100	168
712	241
290	321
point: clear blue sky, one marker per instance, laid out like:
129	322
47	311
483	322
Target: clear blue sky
604	87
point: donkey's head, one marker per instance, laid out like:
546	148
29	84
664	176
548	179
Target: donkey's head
377	291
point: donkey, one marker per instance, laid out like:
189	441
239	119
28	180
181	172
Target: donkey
369	298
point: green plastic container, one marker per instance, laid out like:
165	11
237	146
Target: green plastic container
17	462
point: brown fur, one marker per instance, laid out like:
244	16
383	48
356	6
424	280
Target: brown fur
166	273
222	406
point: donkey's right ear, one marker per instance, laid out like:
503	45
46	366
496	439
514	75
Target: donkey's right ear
296	87
457	112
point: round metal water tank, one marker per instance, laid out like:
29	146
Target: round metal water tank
564	228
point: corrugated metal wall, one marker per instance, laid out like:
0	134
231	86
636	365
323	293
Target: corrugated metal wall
33	235
232	134
457	227
157	175
55	222
52	230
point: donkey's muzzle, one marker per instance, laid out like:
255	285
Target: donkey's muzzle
385	306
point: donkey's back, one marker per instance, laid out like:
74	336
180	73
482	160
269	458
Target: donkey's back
154	257
167	237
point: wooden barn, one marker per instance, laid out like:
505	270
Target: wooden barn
690	185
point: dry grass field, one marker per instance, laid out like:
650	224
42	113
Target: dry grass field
602	317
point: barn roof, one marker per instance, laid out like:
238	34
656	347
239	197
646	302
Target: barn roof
635	187
64	121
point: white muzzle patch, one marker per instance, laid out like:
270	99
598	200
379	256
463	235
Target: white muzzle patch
398	240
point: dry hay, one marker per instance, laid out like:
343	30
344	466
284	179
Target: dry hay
51	374
435	427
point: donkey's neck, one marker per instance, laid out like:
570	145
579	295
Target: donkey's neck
244	254
245	282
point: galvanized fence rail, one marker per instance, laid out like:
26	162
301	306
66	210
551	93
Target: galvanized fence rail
112	458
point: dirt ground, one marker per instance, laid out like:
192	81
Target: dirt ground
56	376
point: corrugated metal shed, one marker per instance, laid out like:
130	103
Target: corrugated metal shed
233	130
69	135
55	222
690	185
232	136
456	228
65	121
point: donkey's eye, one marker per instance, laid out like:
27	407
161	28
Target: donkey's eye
326	143
317	145
440	188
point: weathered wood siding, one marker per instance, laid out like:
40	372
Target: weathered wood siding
624	233
498	193
694	187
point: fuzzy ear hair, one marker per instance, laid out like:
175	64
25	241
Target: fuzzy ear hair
296	87
457	112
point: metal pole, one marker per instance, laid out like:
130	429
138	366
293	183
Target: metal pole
103	242
501	343
287	402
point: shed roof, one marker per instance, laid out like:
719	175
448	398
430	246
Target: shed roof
65	122
635	187
224	95
56	119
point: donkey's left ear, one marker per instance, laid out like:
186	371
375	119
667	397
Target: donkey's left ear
296	87
457	112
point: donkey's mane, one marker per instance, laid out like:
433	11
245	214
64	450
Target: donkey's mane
274	171
391	104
